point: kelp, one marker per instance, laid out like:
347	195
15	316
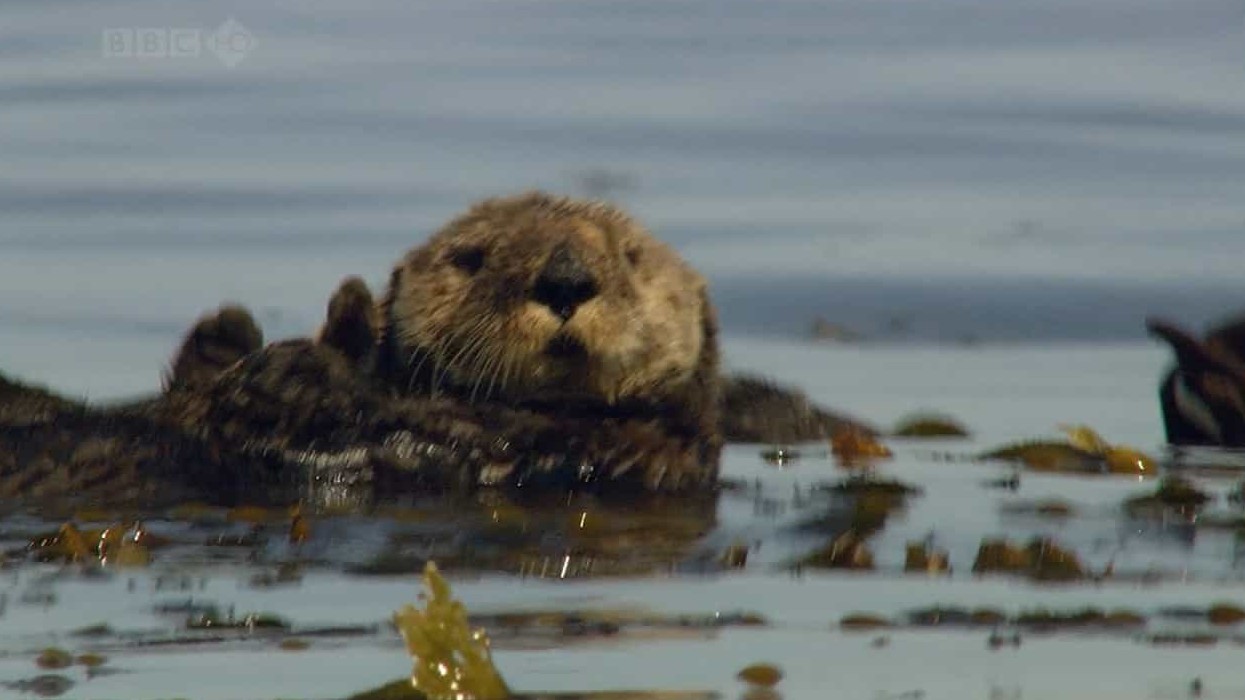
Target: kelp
929	425
1084	451
451	660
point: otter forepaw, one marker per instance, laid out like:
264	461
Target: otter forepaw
352	326
218	340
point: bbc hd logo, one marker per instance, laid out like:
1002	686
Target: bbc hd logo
230	43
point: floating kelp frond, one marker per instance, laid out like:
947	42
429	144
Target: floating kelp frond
1084	451
1126	460
763	675
452	661
1046	456
1120	459
855	447
930	425
1085	438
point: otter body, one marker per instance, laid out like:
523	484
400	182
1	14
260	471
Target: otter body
535	342
1203	396
568	309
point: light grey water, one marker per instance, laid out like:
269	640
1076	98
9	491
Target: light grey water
1020	171
1014	170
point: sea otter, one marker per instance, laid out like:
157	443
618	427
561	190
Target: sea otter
1203	396
535	342
566	308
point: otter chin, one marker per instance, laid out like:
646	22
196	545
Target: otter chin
536	298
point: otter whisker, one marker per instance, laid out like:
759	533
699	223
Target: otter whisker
435	353
481	370
424	354
462	347
435	385
481	358
500	369
508	365
468	341
495	365
480	365
469	349
410	382
447	363
477	365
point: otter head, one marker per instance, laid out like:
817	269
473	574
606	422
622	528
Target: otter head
536	298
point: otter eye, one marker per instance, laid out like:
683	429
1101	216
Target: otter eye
469	260
633	255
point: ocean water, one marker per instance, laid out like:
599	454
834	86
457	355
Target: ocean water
1001	393
1014	171
994	194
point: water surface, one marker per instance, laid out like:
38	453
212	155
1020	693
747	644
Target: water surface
1034	178
1001	170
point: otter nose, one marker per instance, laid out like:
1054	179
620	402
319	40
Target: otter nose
564	283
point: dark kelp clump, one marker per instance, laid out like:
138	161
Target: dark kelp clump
763	675
922	557
1174	496
930	425
859	508
847	551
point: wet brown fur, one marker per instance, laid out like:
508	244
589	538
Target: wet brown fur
464	375
464	315
1210	372
216	341
647	332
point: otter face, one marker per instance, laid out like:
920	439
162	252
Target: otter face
538	297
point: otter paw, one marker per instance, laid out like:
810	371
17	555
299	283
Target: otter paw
217	341
352	326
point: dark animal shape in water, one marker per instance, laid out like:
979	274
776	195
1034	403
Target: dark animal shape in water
302	420
534	343
1203	396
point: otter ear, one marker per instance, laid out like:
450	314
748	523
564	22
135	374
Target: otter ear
216	341
352	326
